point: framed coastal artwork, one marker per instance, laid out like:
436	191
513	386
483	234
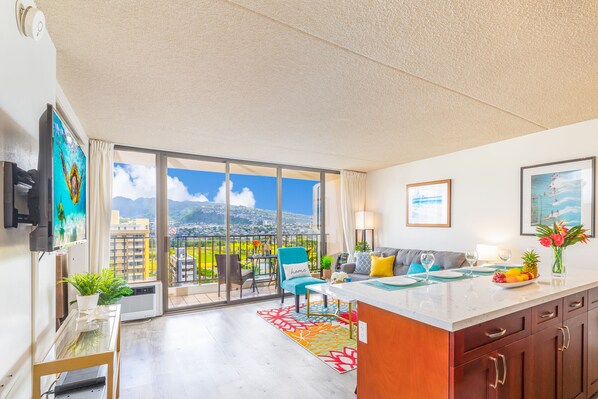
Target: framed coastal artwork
429	204
558	191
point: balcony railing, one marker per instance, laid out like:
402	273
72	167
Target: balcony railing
198	254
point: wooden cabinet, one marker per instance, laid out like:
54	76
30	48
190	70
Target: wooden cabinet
549	351
560	365
592	351
515	361
546	370
476	379
500	374
575	358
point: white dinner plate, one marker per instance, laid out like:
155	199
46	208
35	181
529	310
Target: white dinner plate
401	281
483	269
446	274
517	284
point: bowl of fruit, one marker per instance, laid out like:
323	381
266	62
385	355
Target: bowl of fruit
518	277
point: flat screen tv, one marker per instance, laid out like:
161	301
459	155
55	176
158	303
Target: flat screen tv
59	198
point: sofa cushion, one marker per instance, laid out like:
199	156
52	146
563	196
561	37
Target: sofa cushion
449	260
416	268
385	252
363	263
382	267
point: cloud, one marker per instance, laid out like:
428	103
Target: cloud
243	198
136	181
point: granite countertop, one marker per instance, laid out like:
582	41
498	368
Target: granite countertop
460	304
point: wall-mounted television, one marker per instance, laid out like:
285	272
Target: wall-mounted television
58	201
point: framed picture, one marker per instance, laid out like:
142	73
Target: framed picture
429	204
558	191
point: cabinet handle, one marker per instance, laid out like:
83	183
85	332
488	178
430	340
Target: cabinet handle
498	334
576	305
568	337
504	366
493	386
547	315
562	348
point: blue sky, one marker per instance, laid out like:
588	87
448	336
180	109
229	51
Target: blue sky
135	181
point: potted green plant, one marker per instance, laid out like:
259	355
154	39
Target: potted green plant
112	288
325	265
362	246
88	286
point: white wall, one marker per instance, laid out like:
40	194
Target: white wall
27	287
485	193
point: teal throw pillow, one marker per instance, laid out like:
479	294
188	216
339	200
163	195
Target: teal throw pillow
416	268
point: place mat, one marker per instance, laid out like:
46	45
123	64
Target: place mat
447	280
475	272
387	287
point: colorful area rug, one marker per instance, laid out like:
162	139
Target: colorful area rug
325	337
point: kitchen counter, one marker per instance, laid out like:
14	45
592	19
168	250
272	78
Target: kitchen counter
455	305
471	339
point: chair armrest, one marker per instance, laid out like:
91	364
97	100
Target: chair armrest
348	268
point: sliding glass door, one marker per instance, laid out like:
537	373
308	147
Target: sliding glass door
253	230
196	209
210	228
302	214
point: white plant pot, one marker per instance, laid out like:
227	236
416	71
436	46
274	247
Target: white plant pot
87	302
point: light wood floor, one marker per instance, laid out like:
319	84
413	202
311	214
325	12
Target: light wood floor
223	353
212	297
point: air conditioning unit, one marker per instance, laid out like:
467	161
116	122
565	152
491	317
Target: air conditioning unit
145	302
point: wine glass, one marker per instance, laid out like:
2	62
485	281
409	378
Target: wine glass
505	255
471	257
427	260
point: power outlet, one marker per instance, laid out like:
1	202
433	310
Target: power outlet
363	331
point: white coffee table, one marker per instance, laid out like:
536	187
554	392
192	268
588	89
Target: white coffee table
324	289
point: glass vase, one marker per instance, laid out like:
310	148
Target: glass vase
558	262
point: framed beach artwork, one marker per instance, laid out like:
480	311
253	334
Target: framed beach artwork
429	204
558	191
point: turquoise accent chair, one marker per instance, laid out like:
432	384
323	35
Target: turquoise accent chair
296	285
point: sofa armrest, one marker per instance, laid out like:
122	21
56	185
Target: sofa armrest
348	268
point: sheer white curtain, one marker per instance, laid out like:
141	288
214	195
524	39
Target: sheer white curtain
101	159
352	200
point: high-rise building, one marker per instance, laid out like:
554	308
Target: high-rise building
182	267
129	247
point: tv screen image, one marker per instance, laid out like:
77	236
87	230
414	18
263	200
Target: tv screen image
69	189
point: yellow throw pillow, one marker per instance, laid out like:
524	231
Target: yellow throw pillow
382	267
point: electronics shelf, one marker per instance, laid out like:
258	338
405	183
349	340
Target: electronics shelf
84	340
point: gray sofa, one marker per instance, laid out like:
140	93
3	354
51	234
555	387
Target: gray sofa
404	258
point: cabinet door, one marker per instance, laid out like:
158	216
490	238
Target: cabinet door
475	379
515	360
592	352
575	358
546	369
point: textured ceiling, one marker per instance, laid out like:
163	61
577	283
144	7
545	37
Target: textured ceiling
325	83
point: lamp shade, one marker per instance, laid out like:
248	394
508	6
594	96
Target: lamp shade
487	252
364	220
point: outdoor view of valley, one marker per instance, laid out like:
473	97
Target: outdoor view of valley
196	210
208	218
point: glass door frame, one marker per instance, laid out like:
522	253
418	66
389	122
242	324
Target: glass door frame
162	238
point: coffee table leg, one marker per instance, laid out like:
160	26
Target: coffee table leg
308	303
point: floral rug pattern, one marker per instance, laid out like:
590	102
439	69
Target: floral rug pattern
325	337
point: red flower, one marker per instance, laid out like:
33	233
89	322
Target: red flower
546	241
558	239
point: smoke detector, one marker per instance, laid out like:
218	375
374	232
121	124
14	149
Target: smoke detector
31	21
